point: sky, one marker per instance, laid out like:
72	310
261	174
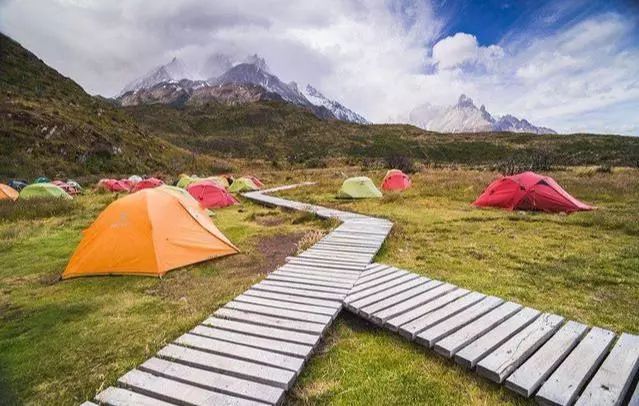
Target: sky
571	65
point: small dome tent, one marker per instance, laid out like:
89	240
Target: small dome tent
147	184
8	193
147	233
358	188
396	180
211	195
43	191
243	185
529	191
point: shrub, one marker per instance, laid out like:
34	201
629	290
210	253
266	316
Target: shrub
605	168
35	208
525	161
401	162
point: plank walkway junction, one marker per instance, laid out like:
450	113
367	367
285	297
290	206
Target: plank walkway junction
250	351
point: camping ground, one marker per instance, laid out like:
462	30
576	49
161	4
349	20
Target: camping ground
60	342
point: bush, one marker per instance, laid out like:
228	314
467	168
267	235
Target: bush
605	168
401	162
35	208
522	162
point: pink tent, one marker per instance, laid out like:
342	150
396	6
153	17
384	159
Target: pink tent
211	195
113	185
396	180
147	184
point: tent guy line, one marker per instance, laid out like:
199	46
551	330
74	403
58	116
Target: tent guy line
251	350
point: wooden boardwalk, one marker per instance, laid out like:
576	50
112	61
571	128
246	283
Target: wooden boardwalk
250	351
536	354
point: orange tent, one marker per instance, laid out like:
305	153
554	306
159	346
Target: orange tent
7	192
147	233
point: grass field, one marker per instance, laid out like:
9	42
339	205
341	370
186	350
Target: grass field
60	342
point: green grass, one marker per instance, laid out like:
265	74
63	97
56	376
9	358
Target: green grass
61	342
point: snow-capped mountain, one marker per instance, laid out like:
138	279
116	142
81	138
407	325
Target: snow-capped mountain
227	83
466	117
339	110
172	71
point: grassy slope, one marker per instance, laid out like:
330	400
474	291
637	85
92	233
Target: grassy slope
273	130
583	266
51	126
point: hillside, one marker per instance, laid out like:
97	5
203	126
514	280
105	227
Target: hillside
51	126
279	131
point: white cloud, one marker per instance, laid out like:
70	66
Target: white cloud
379	58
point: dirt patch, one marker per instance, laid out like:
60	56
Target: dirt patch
270	220
274	250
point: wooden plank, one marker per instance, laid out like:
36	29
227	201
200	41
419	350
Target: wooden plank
470	355
172	391
293	279
634	398
286	324
113	396
387	293
299	292
431	318
435	333
614	378
498	365
372	278
304	286
278	304
368	272
384	315
529	377
320	276
214	381
281	378
563	386
287	299
324	253
396	322
342	259
324	264
451	344
277	312
346	250
381	287
262	331
282	347
88	403
240	351
316	268
370	311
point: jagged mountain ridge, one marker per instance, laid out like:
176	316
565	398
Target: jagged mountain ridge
466	117
163	85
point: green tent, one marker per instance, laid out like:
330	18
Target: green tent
42	179
43	190
220	180
358	188
243	185
185	181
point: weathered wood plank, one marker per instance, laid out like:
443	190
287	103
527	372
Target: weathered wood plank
282	347
470	355
240	351
88	403
213	381
316	268
450	345
299	292
113	396
293	279
324	264
286	324
498	365
316	275
305	286
342	259
529	377
431	335
370	311
634	398
172	391
279	313
612	381
387	293
373	274
396	322
381	287
431	318
410	304
288	299
564	385
263	331
282	378
278	304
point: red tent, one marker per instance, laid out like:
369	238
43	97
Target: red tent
529	191
210	195
256	181
396	180
147	184
66	187
114	185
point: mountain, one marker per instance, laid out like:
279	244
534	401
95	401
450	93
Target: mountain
172	71
466	117
228	84
51	126
339	110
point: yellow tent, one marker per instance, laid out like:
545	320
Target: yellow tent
147	233
7	192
